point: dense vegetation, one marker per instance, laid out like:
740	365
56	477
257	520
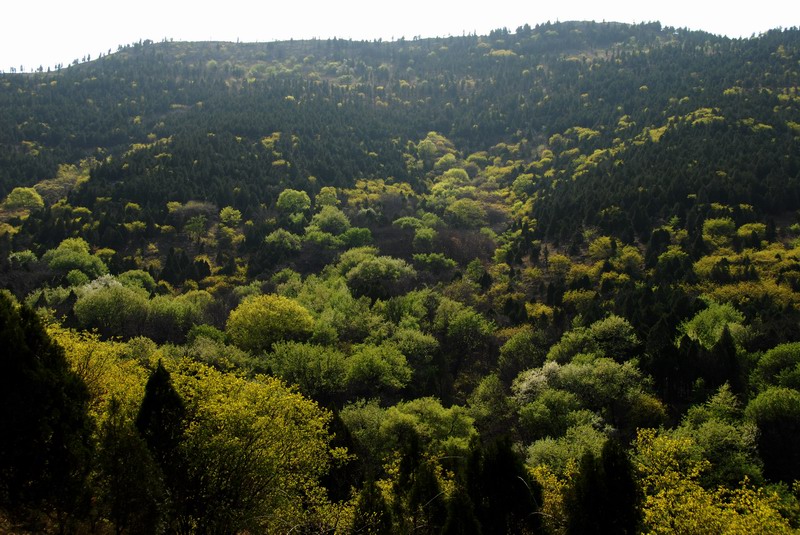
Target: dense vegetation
540	281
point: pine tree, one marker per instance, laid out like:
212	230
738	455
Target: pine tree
161	422
131	490
506	498
604	496
45	443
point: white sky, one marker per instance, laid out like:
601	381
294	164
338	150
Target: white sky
48	32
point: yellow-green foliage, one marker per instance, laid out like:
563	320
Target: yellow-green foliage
23	199
559	265
656	133
580	299
539	311
747	230
579	271
104	368
502	53
582	133
743	292
252	438
555	512
675	502
260	434
704	116
602	248
718	232
262	320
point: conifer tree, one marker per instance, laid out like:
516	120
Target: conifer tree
45	445
604	496
161	423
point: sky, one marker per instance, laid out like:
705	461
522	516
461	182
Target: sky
45	33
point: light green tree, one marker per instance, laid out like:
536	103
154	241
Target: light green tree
73	253
112	309
326	197
292	201
380	277
706	326
281	241
375	368
780	366
318	371
24	199
331	220
466	213
195	227
255	453
260	321
230	217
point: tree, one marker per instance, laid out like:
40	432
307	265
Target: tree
257	323
372	514
461	519
195	227
318	371
162	418
604	496
718	433
612	337
292	201
162	421
779	366
380	277
45	440
491	408
24	199
113	309
466	213
377	369
254	454
718	231
708	325
331	220
73	253
131	489
230	217
326	197
506	497
776	413
673	501
281	242
524	350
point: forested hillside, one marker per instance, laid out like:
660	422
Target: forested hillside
541	281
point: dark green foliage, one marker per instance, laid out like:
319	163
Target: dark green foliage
161	422
161	417
724	365
131	488
45	440
776	412
461	518
604	497
419	500
380	277
426	501
524	350
505	497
